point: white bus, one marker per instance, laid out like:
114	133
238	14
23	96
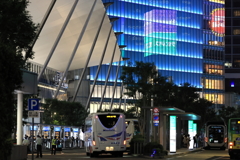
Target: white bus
132	128
215	135
105	133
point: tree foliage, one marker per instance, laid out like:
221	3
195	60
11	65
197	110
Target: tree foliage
64	113
143	82
17	31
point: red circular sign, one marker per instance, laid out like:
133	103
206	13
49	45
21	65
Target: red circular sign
155	110
217	22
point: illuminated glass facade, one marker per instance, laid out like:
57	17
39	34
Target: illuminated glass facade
184	38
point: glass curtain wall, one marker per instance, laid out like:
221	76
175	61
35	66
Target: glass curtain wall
174	34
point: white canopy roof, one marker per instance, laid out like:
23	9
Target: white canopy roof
64	49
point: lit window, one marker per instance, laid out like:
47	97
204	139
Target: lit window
237	13
236	31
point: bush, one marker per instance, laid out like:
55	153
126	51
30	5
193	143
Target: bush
151	146
136	139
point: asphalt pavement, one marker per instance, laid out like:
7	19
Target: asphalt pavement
79	153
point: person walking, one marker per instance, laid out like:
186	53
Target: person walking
188	140
39	146
53	150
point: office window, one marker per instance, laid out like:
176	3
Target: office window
236	13
236	31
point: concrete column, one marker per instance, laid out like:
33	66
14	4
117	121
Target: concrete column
162	130
19	117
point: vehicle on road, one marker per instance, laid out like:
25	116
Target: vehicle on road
215	135
234	138
105	133
132	128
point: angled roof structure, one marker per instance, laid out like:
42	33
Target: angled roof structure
50	33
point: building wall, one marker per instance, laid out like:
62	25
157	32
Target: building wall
185	40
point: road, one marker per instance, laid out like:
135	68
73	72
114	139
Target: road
203	155
74	154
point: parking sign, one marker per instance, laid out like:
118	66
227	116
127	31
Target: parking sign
33	104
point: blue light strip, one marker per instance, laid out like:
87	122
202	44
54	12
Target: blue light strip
135	50
173	8
128	17
190	41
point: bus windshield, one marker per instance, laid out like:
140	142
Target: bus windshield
108	120
216	134
235	125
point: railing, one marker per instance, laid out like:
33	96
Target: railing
137	148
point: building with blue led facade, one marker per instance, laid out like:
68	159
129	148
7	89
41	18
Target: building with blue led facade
184	39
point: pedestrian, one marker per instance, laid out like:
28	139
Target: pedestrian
73	141
195	141
39	146
77	141
188	141
26	142
53	150
59	145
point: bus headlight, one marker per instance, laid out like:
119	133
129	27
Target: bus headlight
124	142
94	143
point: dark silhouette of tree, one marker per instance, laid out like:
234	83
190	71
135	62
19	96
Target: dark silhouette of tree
17	32
64	113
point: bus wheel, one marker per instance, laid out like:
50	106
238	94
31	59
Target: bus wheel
120	154
93	154
231	156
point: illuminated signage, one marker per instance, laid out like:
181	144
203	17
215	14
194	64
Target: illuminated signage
173	134
57	129
34	128
75	129
112	116
46	128
217	1
160	32
67	129
217	22
155	116
190	132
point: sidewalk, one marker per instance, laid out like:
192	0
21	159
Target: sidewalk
182	151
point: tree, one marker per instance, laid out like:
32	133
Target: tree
64	113
228	112
17	32
143	82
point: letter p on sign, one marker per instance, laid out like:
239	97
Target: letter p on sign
33	104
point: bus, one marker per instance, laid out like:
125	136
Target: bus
105	133
132	128
215	135
234	138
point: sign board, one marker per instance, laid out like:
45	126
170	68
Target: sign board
33	114
155	116
173	131
190	132
33	104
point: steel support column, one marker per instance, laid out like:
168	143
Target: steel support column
75	48
89	56
109	69
98	69
58	39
